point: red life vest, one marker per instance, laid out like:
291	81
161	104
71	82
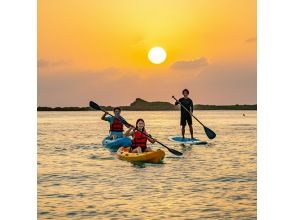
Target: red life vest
139	140
116	125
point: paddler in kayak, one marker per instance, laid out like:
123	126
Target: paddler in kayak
186	116
139	141
116	123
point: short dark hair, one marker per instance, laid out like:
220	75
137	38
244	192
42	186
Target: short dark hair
116	109
185	90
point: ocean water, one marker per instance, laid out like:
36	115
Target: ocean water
79	179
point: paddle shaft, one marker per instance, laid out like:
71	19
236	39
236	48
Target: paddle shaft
188	111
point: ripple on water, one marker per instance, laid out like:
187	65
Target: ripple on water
84	146
71	213
80	179
233	179
44	213
99	157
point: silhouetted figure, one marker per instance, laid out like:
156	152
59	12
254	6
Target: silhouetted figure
186	116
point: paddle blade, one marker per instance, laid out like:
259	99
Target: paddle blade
210	134
94	105
175	152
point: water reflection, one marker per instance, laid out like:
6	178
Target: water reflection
80	179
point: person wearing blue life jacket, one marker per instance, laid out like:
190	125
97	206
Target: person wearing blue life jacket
116	123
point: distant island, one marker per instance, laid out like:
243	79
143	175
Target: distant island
142	105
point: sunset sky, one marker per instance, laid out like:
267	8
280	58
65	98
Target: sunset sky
98	50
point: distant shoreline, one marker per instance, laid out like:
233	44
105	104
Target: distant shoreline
198	108
142	105
66	110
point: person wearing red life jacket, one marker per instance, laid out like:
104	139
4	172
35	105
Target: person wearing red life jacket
116	123
139	141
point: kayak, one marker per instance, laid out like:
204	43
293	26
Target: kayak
147	157
180	140
116	143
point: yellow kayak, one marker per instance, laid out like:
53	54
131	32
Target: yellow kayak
147	157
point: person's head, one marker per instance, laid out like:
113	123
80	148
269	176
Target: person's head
117	111
140	124
185	92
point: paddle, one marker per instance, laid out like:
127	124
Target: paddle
97	107
210	134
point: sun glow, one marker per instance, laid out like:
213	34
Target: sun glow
157	55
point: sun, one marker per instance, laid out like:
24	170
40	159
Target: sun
157	55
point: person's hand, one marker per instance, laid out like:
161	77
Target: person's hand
129	126
106	113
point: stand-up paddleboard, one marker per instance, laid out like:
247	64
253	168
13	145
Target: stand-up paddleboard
180	140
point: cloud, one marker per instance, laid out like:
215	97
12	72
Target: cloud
193	64
251	40
42	63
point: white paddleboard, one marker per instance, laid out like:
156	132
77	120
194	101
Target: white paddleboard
179	139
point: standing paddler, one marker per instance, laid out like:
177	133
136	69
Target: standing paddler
185	115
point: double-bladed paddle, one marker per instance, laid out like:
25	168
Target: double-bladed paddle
97	107
210	134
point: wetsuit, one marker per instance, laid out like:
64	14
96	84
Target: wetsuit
185	116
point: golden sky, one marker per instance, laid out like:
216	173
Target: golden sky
95	49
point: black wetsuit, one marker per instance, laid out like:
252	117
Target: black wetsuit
185	116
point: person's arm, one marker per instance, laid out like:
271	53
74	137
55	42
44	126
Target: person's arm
103	116
192	106
108	119
151	140
129	132
178	102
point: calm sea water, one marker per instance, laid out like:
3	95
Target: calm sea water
79	179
